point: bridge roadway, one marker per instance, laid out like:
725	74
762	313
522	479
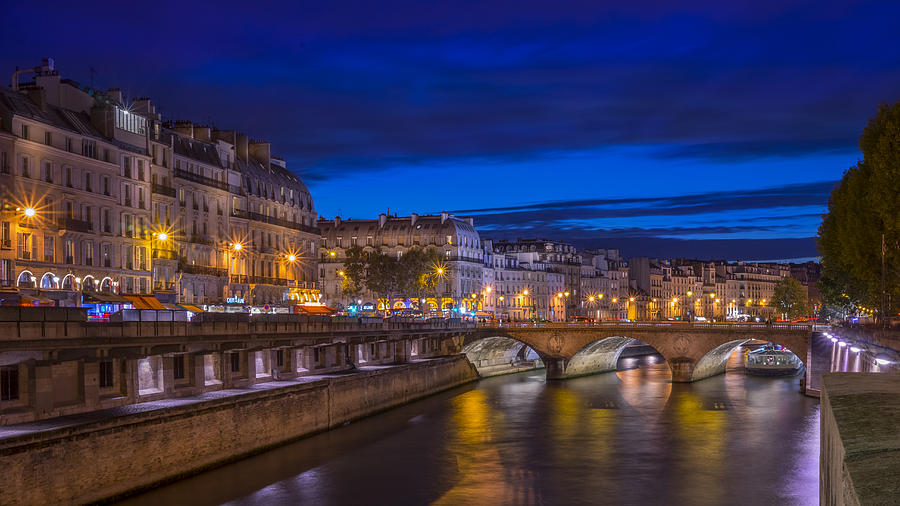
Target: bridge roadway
693	350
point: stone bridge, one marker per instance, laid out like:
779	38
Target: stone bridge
693	350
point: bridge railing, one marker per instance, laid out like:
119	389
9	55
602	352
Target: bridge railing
651	325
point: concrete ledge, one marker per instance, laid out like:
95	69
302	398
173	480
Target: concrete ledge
111	456
860	439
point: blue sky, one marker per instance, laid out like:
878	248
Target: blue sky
695	128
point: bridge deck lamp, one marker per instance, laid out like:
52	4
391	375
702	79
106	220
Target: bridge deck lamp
292	258
690	293
30	212
237	246
566	294
162	236
525	292
615	300
631	299
591	298
488	289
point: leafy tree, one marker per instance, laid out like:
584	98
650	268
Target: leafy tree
382	278
354	269
864	206
790	298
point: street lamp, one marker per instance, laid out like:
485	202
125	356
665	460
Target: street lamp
30	212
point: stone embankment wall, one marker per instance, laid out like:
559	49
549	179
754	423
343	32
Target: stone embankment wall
859	461
99	460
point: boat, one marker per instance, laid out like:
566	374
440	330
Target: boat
772	361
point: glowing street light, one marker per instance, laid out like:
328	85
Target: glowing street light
30	212
237	246
292	258
162	236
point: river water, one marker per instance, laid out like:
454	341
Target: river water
629	437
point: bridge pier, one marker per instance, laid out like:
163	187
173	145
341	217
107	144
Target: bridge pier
556	368
682	369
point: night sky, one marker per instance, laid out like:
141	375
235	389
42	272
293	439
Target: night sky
706	129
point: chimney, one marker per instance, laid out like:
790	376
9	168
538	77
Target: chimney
337	221
444	216
382	219
202	133
115	94
261	152
39	97
184	127
470	221
413	217
241	148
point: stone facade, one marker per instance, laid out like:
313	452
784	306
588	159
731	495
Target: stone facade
99	194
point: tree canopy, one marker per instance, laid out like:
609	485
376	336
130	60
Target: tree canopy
413	274
862	207
790	299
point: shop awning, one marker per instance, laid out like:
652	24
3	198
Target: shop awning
192	308
151	302
316	310
104	298
137	302
36	300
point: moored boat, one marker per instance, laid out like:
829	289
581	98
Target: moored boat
772	361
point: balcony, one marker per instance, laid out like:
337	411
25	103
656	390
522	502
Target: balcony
6	243
200	239
25	255
197	178
165	254
280	222
239	278
204	270
263	280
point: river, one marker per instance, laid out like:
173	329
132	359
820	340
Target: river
629	437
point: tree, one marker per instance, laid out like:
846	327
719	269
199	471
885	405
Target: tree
354	270
864	213
382	278
790	298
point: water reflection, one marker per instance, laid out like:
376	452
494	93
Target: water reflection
630	437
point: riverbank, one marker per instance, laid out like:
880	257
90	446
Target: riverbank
124	450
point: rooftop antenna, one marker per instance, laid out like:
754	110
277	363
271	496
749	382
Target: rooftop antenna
92	71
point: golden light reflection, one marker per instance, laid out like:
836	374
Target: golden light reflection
482	474
701	425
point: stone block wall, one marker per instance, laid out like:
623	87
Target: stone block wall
102	459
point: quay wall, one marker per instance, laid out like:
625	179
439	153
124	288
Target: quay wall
859	461
117	456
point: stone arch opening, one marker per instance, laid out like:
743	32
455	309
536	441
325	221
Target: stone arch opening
68	282
715	361
598	356
25	279
49	280
106	284
501	355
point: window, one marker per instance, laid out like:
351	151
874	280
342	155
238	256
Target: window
178	366
105	185
130	122
4	163
69	144
235	362
48	138
24	131
88	186
89	148
47	172
279	358
140	171
9	383
106	374
68	176
48	248
25	167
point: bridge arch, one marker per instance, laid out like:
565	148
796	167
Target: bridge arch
500	355
598	356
